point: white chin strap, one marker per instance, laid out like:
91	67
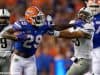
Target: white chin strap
38	25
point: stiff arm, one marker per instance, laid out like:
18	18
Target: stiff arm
8	33
85	32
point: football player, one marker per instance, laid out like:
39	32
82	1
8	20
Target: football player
82	36
30	32
94	6
5	44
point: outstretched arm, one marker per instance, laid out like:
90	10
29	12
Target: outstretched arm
76	34
61	27
71	35
8	33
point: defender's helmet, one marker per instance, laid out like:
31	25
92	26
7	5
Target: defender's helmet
34	16
85	14
4	18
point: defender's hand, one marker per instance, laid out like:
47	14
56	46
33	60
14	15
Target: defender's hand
87	35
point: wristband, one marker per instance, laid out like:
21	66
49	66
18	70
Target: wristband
56	33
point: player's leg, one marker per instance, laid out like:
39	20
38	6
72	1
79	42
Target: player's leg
30	66
79	68
16	65
1	62
96	61
6	66
3	66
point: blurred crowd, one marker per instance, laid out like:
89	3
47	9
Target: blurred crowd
51	49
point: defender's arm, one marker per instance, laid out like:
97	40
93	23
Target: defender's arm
61	27
9	34
75	34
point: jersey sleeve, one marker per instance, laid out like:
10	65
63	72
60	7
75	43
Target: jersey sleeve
17	26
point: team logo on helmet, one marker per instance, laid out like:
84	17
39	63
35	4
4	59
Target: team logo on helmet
34	16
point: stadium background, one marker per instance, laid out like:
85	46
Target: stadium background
53	55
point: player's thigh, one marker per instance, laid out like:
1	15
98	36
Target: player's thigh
3	65
6	66
15	66
79	68
30	68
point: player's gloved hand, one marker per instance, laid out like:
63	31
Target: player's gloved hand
21	36
88	36
86	33
54	33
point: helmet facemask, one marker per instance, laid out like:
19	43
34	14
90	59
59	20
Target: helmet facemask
4	21
39	20
4	18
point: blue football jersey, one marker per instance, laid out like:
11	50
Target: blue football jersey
34	36
96	38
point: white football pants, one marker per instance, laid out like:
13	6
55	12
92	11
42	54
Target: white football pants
23	66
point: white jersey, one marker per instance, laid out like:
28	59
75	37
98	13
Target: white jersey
83	46
5	45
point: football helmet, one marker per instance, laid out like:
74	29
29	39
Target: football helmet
4	18
94	6
85	14
34	16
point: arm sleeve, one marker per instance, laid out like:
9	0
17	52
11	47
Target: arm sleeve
17	26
